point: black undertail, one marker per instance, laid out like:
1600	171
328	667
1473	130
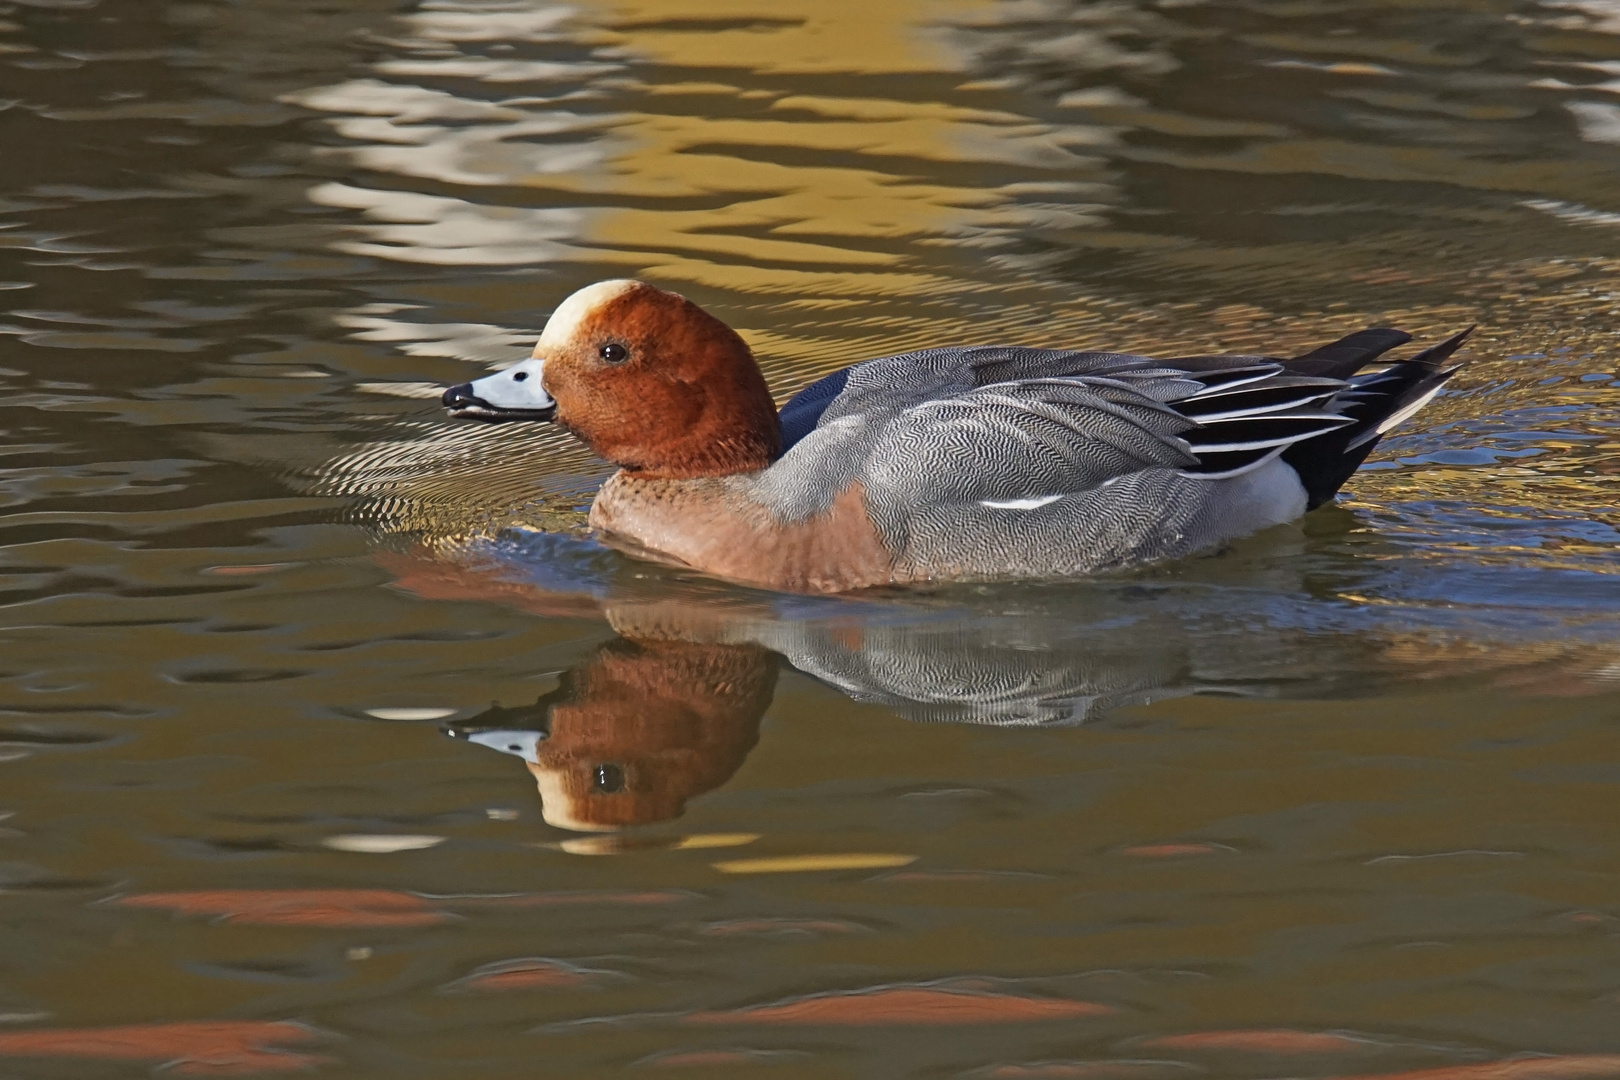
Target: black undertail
1327	461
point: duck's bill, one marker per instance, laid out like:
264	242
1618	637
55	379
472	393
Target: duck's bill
518	393
461	403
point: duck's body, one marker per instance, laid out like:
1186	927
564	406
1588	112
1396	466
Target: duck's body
946	464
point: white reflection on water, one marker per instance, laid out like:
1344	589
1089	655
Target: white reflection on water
1599	122
453	232
855	181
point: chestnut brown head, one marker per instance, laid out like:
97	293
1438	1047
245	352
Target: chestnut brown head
646	378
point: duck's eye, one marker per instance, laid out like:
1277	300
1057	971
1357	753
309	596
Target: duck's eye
614	353
520	376
609	778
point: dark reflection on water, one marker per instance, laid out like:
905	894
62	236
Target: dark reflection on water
1334	802
637	729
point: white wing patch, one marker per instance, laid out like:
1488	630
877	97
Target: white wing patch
1020	504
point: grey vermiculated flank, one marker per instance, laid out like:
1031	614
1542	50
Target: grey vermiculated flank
1108	459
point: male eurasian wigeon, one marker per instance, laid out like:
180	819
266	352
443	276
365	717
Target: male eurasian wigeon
955	463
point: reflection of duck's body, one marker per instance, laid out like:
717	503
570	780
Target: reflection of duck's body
944	464
672	706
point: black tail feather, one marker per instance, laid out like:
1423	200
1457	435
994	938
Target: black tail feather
1348	355
1372	401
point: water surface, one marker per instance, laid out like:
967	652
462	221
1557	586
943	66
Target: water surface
330	741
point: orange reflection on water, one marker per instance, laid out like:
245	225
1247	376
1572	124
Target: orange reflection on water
1268	1041
907	1005
331	908
534	973
195	1048
365	908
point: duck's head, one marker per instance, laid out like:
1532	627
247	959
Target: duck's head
646	378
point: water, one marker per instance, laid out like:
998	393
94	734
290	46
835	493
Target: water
280	641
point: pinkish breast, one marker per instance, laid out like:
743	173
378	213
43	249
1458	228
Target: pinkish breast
709	525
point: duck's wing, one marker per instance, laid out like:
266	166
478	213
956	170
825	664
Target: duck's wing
1020	445
1037	463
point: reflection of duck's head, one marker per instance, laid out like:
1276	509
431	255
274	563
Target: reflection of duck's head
636	730
646	378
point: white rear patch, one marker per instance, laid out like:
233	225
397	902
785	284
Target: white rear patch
1258	498
1020	504
572	313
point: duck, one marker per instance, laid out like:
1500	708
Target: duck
945	464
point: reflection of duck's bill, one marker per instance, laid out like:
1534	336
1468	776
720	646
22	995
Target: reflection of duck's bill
520	742
560	807
463	404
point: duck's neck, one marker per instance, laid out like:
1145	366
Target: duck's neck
705	448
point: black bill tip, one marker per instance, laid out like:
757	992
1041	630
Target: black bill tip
460	397
463	404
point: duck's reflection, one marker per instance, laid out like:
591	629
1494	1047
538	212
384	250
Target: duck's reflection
671	706
636	730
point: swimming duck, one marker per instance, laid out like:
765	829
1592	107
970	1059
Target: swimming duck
954	463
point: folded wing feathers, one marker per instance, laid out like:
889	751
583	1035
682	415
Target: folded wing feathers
1094	410
1225	378
994	364
1280	395
1257	432
1248	415
1343	358
1269	385
1211	421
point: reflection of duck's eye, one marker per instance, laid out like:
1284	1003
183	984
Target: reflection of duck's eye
609	778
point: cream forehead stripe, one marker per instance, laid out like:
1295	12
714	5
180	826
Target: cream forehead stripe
572	313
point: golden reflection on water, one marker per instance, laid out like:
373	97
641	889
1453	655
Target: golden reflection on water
760	160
